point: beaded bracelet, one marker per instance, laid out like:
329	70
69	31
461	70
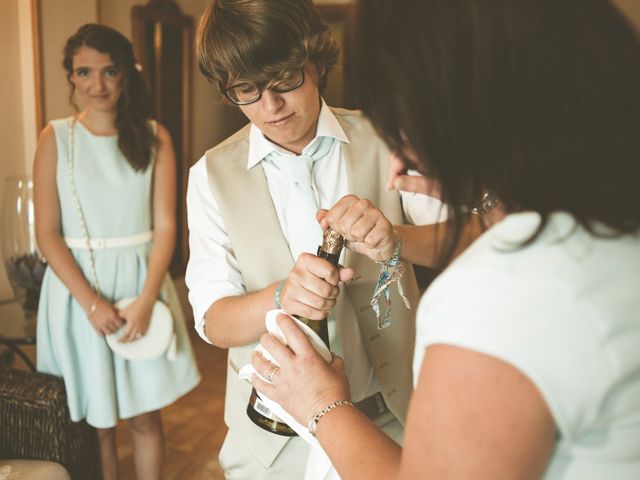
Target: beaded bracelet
276	296
313	423
391	271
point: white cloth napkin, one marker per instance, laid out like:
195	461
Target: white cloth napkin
319	466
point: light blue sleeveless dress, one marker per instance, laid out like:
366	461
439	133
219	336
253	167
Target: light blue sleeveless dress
116	201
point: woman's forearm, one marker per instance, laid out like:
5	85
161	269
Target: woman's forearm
425	245
164	215
357	447
61	261
159	261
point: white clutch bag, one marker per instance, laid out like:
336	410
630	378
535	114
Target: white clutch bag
160	336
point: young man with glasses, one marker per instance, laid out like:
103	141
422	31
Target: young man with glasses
270	58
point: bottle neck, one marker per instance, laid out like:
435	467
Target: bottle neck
332	257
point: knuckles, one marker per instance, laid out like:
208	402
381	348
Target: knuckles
349	199
265	337
328	291
364	204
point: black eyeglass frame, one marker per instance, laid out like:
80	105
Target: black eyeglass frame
274	87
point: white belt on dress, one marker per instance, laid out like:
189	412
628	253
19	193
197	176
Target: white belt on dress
111	242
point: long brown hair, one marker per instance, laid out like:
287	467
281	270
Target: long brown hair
136	139
536	101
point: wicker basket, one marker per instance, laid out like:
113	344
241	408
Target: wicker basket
35	425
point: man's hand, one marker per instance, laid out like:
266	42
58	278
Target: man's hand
311	288
364	227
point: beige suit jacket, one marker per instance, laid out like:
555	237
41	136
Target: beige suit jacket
264	257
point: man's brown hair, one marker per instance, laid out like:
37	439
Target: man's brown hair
258	40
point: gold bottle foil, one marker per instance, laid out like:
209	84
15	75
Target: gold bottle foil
332	241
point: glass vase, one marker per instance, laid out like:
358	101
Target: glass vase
24	264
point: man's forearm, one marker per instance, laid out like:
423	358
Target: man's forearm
239	320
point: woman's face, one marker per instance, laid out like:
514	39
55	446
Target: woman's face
96	79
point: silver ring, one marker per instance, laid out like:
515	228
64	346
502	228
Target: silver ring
138	335
272	372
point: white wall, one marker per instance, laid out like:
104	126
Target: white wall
28	74
18	127
59	19
12	157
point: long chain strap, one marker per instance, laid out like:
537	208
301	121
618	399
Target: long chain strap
83	223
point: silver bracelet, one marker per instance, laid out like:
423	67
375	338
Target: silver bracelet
313	423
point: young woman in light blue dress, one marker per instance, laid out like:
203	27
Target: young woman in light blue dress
123	169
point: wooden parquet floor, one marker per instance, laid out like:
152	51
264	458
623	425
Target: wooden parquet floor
194	428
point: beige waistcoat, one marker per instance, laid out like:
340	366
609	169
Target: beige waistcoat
263	255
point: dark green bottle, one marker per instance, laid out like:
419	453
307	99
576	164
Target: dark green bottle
258	412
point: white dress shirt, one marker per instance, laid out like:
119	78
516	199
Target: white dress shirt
213	273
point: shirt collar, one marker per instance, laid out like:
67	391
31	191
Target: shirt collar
260	146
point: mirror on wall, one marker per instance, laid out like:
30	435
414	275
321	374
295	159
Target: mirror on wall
162	41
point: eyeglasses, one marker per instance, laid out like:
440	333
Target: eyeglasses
245	93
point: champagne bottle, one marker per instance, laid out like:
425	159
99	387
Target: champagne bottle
258	412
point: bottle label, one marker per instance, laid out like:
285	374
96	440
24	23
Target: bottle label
259	406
